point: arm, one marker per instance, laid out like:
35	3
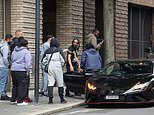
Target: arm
83	60
70	62
5	52
28	61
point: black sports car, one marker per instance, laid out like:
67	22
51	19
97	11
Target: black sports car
129	81
125	81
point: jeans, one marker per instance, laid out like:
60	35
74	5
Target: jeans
3	80
44	83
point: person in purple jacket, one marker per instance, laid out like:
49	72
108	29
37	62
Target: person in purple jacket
21	62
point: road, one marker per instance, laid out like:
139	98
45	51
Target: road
84	110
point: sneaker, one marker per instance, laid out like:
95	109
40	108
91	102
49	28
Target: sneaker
77	94
5	98
27	100
69	95
13	102
63	101
23	103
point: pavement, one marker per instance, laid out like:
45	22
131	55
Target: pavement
42	108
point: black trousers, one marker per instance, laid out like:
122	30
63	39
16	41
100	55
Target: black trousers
20	83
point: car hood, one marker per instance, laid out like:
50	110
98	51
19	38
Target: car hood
116	84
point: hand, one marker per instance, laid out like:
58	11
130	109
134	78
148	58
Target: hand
65	50
101	43
71	69
81	70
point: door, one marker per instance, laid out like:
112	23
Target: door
140	31
49	18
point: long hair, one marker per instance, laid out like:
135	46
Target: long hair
78	42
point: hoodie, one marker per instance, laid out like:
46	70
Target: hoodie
91	60
4	49
21	59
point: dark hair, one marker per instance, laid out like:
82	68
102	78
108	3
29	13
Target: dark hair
95	30
22	42
8	36
78	42
54	43
88	46
50	36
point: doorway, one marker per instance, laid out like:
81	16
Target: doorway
140	31
99	24
49	18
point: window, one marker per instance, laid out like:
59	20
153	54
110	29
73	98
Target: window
140	31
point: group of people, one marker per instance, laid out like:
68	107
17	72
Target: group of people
52	54
15	57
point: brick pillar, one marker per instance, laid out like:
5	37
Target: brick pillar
23	18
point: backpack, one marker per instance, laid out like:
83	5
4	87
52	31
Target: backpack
0	51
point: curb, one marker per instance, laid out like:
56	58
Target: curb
61	109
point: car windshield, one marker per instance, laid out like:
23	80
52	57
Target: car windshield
128	67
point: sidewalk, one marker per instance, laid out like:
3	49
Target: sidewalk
43	108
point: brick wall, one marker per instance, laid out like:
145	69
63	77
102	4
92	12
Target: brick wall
69	21
1	18
121	25
23	18
89	16
121	29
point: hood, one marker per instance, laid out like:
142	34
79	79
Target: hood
91	51
19	48
90	35
3	43
118	85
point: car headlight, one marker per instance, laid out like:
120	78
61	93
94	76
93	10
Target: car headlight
91	86
137	88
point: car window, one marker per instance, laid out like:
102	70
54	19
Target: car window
128	67
112	69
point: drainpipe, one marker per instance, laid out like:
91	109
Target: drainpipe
37	51
108	9
4	18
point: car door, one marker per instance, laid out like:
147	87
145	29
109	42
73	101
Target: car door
75	82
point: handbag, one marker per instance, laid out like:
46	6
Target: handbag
47	65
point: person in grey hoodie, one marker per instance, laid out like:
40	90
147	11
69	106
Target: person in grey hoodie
56	58
21	62
4	64
44	83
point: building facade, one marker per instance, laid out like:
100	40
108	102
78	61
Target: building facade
127	26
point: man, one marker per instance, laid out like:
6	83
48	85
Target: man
44	85
4	64
92	38
18	34
73	64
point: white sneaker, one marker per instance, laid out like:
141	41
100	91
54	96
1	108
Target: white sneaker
23	103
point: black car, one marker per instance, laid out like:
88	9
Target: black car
125	81
129	82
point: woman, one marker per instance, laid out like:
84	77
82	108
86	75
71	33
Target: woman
21	61
56	59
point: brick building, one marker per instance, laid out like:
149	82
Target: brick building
127	26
